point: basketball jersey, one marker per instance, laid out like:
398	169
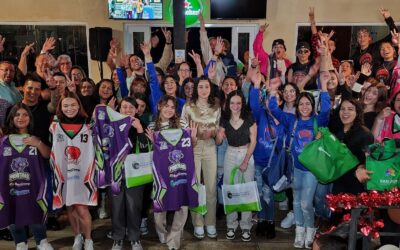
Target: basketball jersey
72	160
22	183
112	146
174	182
391	128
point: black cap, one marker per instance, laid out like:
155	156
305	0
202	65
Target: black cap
277	42
302	45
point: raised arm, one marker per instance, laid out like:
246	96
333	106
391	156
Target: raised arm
156	92
206	50
259	51
197	60
22	64
167	54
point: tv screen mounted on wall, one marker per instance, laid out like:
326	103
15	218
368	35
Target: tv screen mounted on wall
238	9
135	9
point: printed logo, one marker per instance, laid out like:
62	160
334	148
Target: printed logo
101	115
323	151
108	130
163	145
175	156
7	151
72	153
390	172
60	138
18	166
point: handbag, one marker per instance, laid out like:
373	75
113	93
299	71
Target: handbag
327	158
138	168
241	197
201	208
384	162
279	171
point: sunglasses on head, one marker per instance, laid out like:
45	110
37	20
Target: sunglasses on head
303	51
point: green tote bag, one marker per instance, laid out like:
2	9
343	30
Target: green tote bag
384	161
327	158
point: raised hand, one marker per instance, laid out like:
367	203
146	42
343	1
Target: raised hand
2	41
146	47
27	49
196	57
49	44
384	12
219	46
212	71
311	14
167	35
263	27
114	44
150	134
366	69
395	38
353	78
193	128
112	103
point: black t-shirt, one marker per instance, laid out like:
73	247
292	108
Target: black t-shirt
241	136
42	119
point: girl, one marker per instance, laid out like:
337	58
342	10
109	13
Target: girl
270	133
203	111
22	155
126	207
72	160
143	111
301	127
387	121
187	86
373	101
87	87
238	126
167	118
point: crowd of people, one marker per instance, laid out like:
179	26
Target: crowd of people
49	142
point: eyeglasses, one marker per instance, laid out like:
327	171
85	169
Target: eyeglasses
303	51
185	70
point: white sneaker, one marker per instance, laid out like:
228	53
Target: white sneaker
310	234
78	242
288	221
143	227
211	231
299	238
136	245
44	245
117	245
102	213
283	205
88	244
22	246
199	232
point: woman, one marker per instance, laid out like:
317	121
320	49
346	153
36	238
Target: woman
87	87
387	121
77	74
187	86
167	118
126	206
143	110
240	130
373	101
203	111
72	160
302	128
270	135
23	155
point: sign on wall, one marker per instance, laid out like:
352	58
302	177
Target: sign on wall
192	9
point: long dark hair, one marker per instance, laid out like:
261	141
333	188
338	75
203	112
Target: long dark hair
222	94
195	97
310	97
10	126
359	119
96	95
143	97
174	122
165	80
244	112
382	96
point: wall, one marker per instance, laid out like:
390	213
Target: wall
282	16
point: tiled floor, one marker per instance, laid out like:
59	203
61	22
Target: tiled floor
63	239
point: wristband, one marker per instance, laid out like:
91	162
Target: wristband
168	43
43	52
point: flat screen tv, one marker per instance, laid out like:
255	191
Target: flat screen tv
238	9
135	9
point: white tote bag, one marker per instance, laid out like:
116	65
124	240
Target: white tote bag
138	168
201	208
240	197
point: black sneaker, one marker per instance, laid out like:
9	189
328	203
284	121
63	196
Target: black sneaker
270	230
230	234
246	235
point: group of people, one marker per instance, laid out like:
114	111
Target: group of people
54	153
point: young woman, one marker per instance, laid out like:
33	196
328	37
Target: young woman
126	207
187	86
387	122
87	87
72	160
167	118
23	155
203	111
302	126
270	135
143	110
240	130
373	101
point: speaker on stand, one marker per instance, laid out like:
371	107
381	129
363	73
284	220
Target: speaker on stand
99	44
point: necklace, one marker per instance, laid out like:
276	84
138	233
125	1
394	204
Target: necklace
234	121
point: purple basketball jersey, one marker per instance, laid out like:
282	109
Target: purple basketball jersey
175	182
22	183
112	146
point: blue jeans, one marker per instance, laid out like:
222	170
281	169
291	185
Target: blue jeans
19	233
321	208
266	196
304	187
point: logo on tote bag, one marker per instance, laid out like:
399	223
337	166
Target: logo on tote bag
390	172
323	151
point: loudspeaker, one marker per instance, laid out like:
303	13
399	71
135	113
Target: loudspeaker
99	43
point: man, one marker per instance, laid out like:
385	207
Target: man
9	94
64	64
